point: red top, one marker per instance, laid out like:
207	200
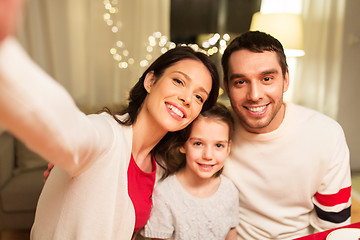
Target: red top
140	188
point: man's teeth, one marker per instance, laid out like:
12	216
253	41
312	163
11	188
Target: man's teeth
176	111
257	109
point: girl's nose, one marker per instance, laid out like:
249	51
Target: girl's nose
208	153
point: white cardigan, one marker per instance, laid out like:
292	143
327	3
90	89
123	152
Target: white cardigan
86	195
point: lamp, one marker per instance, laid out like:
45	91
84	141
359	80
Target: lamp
286	27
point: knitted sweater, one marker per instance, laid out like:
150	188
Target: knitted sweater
178	215
86	195
292	180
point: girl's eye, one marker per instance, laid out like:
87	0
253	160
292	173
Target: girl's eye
219	145
197	143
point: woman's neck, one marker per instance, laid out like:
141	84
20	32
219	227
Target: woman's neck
145	137
197	186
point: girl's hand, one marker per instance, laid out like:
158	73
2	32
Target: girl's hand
48	170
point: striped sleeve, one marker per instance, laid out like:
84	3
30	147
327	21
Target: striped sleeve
334	208
332	201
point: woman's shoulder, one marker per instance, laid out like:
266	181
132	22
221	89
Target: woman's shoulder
105	119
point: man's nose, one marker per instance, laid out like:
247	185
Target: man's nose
255	92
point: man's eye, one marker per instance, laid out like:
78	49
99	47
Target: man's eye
239	82
219	145
266	79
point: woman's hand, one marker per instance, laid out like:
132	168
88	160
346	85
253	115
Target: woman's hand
48	170
10	11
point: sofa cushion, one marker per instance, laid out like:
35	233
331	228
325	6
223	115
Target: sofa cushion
26	159
7	156
21	193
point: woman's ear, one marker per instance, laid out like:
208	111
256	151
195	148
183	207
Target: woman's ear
149	81
182	150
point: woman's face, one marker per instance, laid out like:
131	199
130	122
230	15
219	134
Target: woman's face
176	98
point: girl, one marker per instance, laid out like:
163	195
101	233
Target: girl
196	201
102	160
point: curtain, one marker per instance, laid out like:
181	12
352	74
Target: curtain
81	43
318	72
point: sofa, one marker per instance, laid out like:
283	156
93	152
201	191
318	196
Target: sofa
21	182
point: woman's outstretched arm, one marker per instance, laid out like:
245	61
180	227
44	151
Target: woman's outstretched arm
39	111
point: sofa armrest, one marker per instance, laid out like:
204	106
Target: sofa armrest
7	156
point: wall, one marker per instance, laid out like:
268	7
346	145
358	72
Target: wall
349	105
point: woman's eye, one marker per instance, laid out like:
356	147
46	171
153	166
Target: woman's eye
200	98
219	145
178	81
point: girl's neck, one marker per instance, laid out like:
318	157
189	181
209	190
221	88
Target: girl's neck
197	186
146	135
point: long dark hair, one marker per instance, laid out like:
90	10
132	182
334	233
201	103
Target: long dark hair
174	159
138	93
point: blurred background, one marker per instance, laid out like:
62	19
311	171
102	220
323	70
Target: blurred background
98	49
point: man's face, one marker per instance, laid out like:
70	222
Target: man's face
255	86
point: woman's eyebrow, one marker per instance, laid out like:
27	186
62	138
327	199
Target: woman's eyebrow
190	79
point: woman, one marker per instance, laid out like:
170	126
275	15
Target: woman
100	156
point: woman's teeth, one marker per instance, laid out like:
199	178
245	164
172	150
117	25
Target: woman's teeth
176	111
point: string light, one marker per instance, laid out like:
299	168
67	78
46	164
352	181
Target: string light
213	44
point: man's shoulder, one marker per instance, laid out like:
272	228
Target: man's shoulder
312	118
303	112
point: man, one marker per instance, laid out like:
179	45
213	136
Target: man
289	163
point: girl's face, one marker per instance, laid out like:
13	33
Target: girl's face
207	147
177	97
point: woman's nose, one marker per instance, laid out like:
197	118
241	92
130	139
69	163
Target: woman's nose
185	97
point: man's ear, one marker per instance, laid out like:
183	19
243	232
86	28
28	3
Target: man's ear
286	81
149	81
